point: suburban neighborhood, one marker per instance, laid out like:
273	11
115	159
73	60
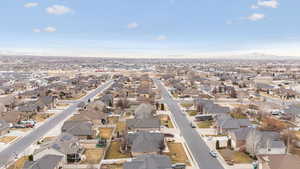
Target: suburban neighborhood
99	114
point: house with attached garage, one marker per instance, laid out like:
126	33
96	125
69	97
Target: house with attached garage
46	162
82	129
65	145
149	162
144	119
264	143
139	143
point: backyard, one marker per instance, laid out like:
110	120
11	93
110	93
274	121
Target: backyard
114	151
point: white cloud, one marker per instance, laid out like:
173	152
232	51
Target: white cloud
161	37
132	25
31	4
256	17
50	29
268	3
36	30
58	10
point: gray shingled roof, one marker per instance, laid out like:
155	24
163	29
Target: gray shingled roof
46	162
3	125
145	141
78	128
144	111
143	123
149	162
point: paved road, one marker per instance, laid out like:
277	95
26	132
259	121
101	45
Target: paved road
10	152
196	144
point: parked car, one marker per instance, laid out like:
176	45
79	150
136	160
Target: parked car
192	125
213	153
19	126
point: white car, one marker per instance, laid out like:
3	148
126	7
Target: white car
213	153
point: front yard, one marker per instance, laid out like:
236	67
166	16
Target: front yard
205	124
235	156
177	153
19	163
7	139
41	117
166	121
114	151
192	112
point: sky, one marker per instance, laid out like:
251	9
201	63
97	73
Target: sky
150	28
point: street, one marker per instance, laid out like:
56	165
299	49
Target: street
12	151
196	145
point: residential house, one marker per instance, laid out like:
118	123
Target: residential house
238	138
225	123
264	143
82	129
152	161
144	143
46	162
65	145
4	127
144	119
108	100
282	161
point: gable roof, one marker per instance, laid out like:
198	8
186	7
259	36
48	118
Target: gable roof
145	141
144	111
78	128
143	123
149	162
46	162
285	161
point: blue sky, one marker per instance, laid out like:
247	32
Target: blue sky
144	28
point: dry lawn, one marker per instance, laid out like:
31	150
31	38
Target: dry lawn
93	156
177	153
112	166
19	163
121	126
114	151
7	139
205	124
166	121
105	133
113	119
42	117
235	156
